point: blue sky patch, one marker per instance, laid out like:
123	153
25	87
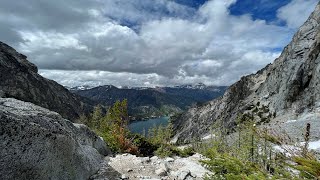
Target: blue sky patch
192	3
153	10
258	9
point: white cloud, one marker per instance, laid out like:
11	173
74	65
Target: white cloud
296	12
89	43
49	40
96	78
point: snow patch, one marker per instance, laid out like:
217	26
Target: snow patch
288	149
210	136
291	121
314	145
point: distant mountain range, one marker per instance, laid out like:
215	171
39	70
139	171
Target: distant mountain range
146	102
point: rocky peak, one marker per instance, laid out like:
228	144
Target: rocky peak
288	87
192	86
292	81
11	58
19	79
80	88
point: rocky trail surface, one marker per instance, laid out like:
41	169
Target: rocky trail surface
133	167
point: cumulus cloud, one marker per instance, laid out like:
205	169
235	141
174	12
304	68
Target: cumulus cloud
296	12
96	78
141	42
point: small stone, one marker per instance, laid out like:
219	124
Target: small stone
169	159
161	172
123	176
129	170
145	160
173	173
164	166
197	155
193	175
144	177
182	175
154	158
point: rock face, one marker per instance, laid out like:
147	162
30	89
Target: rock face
36	143
288	87
19	79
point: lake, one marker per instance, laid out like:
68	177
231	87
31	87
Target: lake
140	126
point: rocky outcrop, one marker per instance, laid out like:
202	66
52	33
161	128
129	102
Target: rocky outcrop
288	87
154	168
36	143
19	79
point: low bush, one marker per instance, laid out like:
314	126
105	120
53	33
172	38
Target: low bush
228	167
144	146
164	151
185	152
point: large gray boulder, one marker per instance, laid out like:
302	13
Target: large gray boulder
36	143
289	87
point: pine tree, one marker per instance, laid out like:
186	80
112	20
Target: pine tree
96	117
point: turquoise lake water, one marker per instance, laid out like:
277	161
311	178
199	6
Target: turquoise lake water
140	126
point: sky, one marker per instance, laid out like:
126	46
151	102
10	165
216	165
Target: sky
150	42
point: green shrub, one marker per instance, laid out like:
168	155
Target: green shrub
309	167
112	126
186	152
160	135
164	151
228	167
145	147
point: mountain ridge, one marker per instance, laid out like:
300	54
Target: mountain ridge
150	102
19	79
187	86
